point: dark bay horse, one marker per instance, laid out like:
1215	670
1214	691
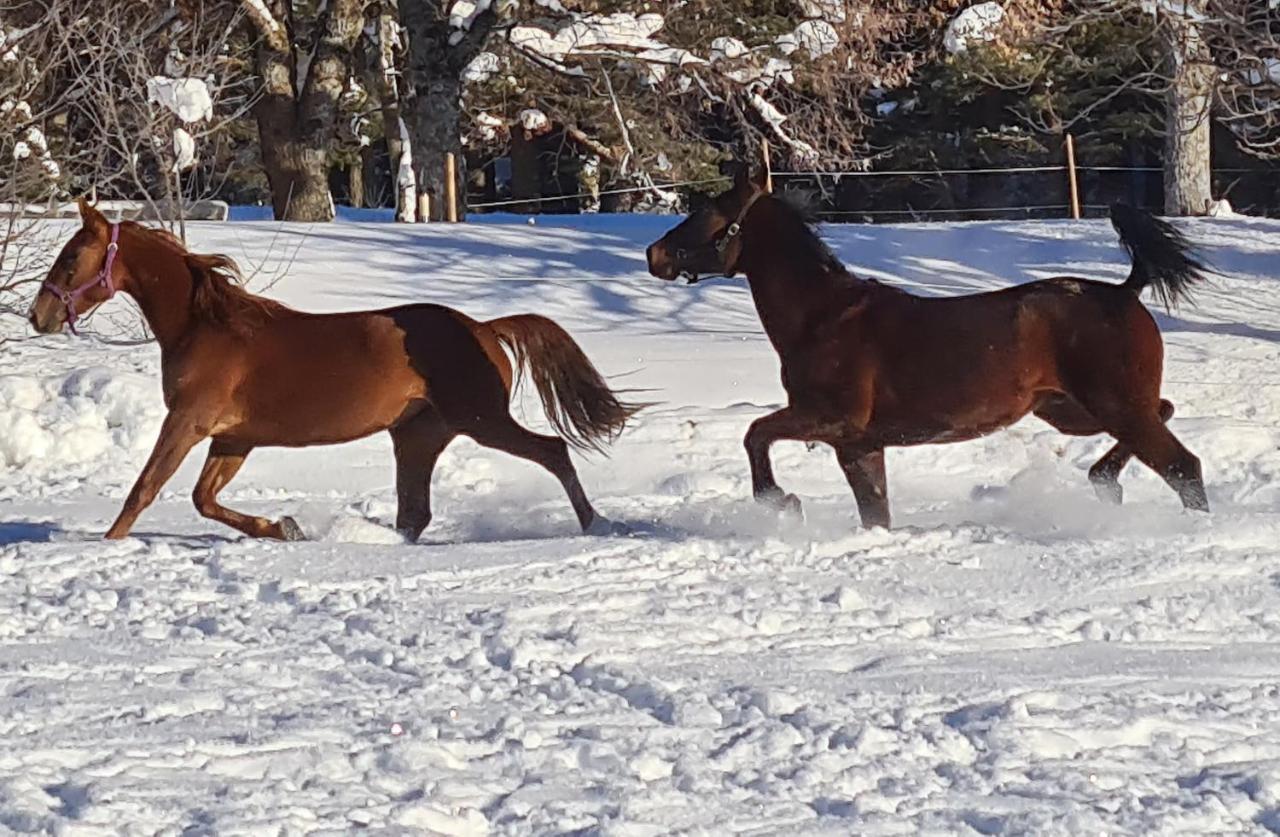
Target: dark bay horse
248	372
867	366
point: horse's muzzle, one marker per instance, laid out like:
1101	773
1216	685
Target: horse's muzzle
660	262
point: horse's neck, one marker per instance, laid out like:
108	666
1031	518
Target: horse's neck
160	282
792	300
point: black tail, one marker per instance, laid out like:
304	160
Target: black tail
1161	255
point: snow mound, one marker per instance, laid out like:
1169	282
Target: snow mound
77	423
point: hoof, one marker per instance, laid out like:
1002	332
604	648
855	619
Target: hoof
787	505
1110	493
410	535
290	530
604	527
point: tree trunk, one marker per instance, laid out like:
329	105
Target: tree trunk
299	178
1188	180
526	174
296	130
398	144
435	126
435	103
355	182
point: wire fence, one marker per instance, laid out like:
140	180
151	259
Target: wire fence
979	193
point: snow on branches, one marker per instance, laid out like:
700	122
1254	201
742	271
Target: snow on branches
189	100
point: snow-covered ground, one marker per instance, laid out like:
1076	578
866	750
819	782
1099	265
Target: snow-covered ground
1013	658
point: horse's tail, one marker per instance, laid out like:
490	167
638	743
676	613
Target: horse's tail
578	402
1161	255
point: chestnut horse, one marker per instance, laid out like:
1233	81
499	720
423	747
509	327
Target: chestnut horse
866	366
248	372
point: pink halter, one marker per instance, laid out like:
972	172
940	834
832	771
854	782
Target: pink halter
103	278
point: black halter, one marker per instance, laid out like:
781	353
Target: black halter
726	238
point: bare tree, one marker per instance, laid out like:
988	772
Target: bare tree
114	111
1246	44
1088	55
651	96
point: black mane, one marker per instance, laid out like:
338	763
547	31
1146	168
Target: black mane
800	222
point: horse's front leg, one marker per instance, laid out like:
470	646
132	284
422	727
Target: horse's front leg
179	433
784	424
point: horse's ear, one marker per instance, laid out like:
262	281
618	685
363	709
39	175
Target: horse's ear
760	178
92	218
739	171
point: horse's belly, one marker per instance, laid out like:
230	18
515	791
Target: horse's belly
937	422
325	410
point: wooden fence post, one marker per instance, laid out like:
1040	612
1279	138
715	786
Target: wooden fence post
424	208
1071	177
764	161
450	187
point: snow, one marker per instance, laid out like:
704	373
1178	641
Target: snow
830	10
1222	209
587	34
1190	9
488	125
463	14
186	98
481	68
184	150
406	178
817	37
725	47
533	120
1270	73
975	24
775	118
17	110
1013	658
33	142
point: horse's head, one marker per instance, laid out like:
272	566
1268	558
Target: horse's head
709	240
78	282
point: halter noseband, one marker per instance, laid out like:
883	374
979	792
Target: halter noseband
103	278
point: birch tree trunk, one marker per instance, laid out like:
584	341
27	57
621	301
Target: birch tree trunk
1188	180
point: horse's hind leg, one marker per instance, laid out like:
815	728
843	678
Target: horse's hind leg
1157	448
418	443
1069	417
1105	474
551	453
221	466
866	475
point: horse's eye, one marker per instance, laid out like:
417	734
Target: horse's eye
680	254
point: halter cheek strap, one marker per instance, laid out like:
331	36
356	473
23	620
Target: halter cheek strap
721	245
68	298
731	232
